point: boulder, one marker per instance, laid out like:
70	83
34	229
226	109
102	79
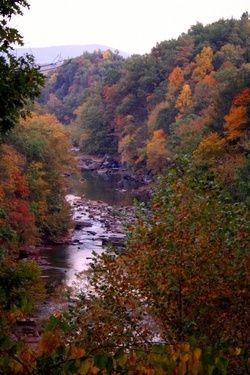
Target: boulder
81	224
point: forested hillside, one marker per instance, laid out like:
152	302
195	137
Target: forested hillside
189	96
33	157
175	300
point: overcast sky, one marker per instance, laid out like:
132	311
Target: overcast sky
132	26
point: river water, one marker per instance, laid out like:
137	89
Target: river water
65	261
111	189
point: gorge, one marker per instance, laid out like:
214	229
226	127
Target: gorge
99	206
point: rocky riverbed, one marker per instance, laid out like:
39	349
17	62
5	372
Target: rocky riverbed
99	221
108	165
96	226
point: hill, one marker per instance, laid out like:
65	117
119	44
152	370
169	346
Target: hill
49	55
189	97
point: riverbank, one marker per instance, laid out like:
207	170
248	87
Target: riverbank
108	165
96	225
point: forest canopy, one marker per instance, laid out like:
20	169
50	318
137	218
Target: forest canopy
175	100
175	300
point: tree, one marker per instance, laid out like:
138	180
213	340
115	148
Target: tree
184	271
20	80
228	83
176	77
204	64
185	136
203	94
17	219
210	149
176	80
19	279
107	54
55	106
157	153
45	144
128	141
237	122
229	53
185	50
94	134
55	357
175	301
153	117
183	101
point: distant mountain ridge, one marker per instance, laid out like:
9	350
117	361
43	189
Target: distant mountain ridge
50	55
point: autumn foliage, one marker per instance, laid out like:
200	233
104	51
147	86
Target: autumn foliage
175	300
113	105
168	303
185	272
237	121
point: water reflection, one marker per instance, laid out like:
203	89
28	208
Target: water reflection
113	190
56	270
65	261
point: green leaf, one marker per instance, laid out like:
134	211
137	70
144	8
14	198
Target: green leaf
121	357
13	350
165	367
208	350
5	361
6	343
101	361
222	364
53	323
192	341
110	364
120	353
207	359
210	370
70	367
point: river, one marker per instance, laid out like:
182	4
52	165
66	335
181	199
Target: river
111	189
65	261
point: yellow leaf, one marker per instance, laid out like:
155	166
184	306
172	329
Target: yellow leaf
72	351
80	352
237	351
67	349
27	355
122	360
182	368
17	368
185	358
197	353
196	368
95	370
85	366
132	358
